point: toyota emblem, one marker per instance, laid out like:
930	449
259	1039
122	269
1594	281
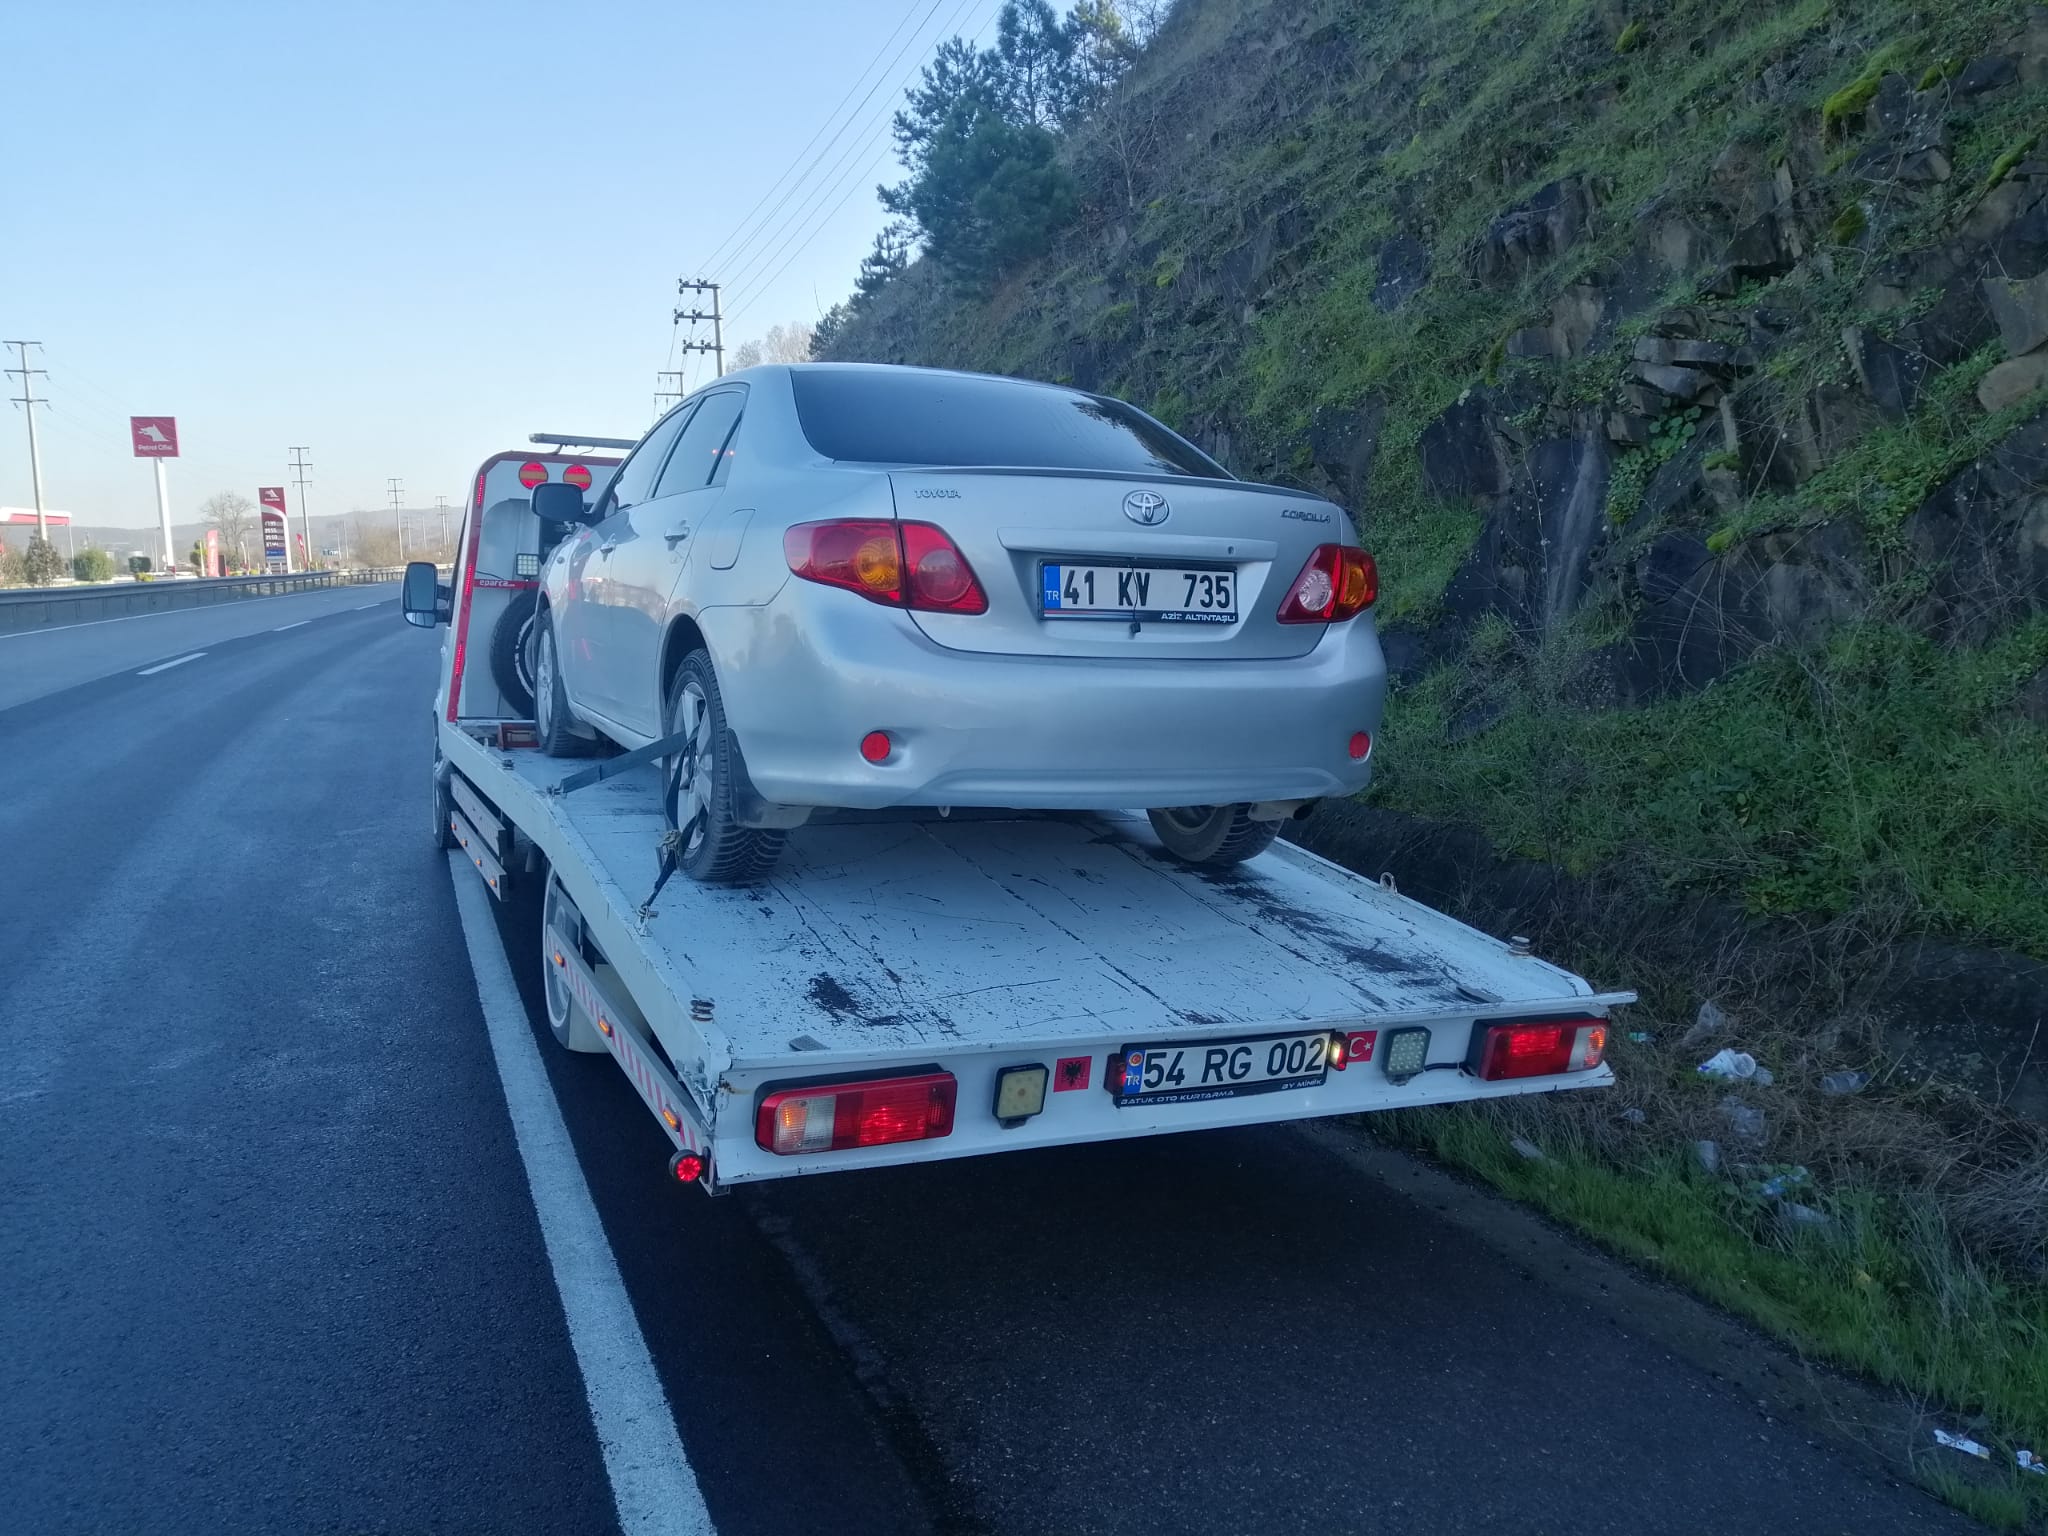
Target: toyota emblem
1147	507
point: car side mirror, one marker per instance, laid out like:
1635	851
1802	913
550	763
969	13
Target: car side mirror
557	501
422	598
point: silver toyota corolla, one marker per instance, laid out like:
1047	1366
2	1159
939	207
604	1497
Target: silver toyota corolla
843	585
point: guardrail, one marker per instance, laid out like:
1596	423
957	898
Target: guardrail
47	607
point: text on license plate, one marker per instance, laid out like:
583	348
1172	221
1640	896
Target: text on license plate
1221	1069
1159	593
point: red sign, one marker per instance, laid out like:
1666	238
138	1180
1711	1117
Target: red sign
271	496
155	437
532	474
578	476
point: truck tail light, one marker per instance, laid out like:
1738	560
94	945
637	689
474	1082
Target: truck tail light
833	1117
1339	582
1536	1048
901	565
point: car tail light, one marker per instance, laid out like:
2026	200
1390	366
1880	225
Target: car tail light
1537	1048
902	565
1339	582
833	1117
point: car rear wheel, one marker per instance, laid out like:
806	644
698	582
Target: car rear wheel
1213	834
550	703
698	781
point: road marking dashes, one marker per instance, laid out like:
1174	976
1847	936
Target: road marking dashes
283	627
165	666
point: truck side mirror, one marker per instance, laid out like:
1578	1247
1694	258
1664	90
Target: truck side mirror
422	598
556	501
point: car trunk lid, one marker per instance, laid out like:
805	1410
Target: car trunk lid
1131	552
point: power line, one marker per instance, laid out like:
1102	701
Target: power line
797	228
709	262
884	117
397	515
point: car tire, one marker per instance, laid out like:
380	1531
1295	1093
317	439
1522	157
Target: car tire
698	785
1213	834
551	720
567	1021
511	653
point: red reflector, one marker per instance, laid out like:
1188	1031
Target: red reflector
1538	1048
686	1167
1339	582
1361	746
875	746
837	1116
532	473
578	475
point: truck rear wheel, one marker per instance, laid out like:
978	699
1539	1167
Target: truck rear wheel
561	932
1213	834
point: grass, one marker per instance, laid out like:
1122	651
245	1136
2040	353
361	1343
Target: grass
1795	785
1882	1289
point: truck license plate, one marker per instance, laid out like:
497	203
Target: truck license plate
1152	594
1219	1069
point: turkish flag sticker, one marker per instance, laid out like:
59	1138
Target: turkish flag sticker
1071	1072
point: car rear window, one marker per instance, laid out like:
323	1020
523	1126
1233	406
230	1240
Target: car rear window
911	417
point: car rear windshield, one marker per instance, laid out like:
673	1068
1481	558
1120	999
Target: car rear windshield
911	417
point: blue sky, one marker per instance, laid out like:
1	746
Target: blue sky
408	234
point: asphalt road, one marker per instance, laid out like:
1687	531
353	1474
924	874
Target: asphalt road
272	1261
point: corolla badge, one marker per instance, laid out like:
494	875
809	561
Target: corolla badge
1147	507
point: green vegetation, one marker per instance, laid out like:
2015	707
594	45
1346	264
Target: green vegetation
1848	103
1881	1288
1631	36
1849	225
2002	167
41	565
92	565
1794	785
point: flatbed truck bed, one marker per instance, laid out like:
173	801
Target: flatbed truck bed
971	952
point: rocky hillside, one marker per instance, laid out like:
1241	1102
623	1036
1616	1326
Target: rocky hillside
1684	366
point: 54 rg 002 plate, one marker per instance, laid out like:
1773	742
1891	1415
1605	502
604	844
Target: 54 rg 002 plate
1186	1072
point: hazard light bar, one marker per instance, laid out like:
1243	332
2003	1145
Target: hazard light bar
574	440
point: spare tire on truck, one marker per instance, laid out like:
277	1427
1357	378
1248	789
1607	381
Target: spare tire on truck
511	653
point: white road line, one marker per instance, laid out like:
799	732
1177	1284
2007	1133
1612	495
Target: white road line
283	627
359	607
165	666
653	1488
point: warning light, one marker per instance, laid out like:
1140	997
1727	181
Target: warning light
577	475
532	473
686	1167
876	746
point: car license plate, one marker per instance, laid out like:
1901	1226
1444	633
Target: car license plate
1147	593
1220	1069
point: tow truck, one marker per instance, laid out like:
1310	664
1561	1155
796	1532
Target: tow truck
913	986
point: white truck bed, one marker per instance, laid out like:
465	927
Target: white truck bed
971	943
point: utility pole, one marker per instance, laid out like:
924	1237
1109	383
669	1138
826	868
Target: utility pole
397	491
299	468
716	345
662	396
441	506
28	402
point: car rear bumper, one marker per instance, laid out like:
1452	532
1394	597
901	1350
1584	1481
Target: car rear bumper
805	680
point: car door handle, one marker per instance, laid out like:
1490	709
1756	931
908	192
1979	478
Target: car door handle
673	539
